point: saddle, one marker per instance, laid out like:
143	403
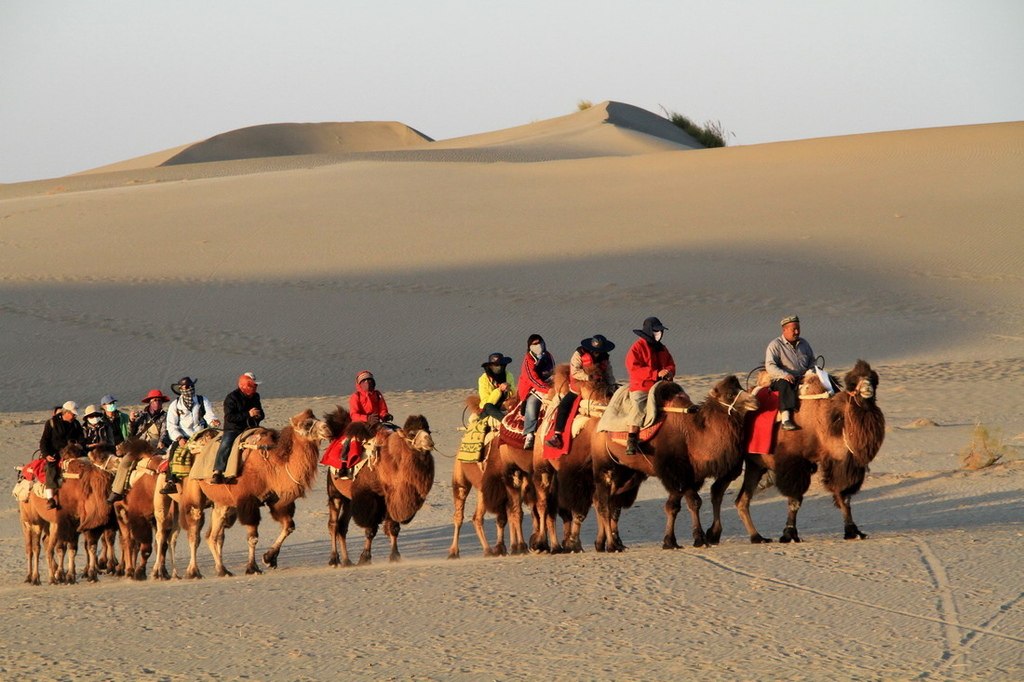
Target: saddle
202	467
579	415
512	425
478	436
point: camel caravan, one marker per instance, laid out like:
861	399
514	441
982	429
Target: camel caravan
566	440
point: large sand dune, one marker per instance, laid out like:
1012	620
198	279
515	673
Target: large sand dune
903	248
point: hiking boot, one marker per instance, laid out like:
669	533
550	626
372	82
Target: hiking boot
217	478
790	425
528	442
632	443
170	488
555	442
114	497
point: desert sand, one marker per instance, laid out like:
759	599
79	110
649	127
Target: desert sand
308	252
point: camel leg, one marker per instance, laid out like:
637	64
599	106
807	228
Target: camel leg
478	526
252	539
693	503
215	539
286	517
192	518
333	512
751	478
163	520
367	557
545	537
718	489
501	520
515	512
33	542
789	533
850	530
93	539
71	549
459	495
391	529
672	506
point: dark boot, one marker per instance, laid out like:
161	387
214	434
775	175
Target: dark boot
555	441
270	499
171	487
217	478
52	503
632	443
114	497
790	425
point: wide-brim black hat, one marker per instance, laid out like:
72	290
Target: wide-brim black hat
184	381
496	359
597	344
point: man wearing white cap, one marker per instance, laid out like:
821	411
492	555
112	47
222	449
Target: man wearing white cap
242	410
786	360
61	430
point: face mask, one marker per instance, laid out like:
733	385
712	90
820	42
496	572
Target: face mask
657	336
95	420
537	349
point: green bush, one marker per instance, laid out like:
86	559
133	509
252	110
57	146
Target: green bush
711	134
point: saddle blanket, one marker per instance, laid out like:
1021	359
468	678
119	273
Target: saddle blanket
761	423
617	415
202	467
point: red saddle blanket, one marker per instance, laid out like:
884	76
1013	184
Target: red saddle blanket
645	434
761	424
35	470
512	425
334	457
556	453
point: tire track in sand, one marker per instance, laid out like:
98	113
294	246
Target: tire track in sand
957	647
859	602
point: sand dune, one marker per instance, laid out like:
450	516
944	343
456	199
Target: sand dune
417	261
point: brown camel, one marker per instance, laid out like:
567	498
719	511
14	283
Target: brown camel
687	449
840	436
83	507
281	465
564	486
503	484
469	475
136	513
465	477
105	536
390	488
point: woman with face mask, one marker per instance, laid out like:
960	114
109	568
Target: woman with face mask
534	383
99	434
495	385
647	362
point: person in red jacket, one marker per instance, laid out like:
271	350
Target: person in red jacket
367	404
534	383
647	362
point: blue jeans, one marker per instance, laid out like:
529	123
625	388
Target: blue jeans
530	414
227	439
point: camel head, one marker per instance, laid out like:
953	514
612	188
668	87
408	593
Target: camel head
309	427
417	432
861	380
732	395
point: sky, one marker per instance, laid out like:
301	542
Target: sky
85	84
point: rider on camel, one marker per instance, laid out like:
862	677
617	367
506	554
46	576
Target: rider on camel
588	363
242	410
187	415
495	385
786	360
647	362
60	430
534	384
365	405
